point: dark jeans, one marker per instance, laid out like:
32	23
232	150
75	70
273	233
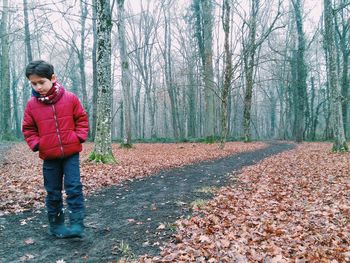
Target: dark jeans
61	172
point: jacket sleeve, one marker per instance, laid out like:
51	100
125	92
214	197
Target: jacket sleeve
81	120
30	130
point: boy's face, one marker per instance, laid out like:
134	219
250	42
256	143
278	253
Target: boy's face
40	84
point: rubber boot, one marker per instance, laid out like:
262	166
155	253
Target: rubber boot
76	224
57	227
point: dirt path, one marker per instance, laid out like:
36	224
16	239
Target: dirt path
139	214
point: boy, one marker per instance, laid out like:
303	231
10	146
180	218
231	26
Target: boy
55	124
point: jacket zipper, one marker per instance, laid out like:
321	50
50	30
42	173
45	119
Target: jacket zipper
57	130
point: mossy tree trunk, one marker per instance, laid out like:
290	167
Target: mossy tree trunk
300	86
340	144
249	63
94	70
5	110
228	72
251	45
102	151
343	30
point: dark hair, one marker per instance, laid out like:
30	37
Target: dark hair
41	68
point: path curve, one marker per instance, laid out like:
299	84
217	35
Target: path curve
138	213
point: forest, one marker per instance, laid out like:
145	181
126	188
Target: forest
218	130
185	70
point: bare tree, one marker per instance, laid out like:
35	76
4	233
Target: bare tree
168	65
81	52
27	40
343	32
299	89
204	34
126	75
94	70
249	53
250	47
15	106
77	44
333	80
5	130
226	12
177	62
187	50
144	57
102	151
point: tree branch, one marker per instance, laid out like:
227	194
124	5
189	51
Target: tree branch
340	7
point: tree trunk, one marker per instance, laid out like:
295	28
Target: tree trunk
144	35
144	117
328	132
249	61
208	68
250	47
126	76
343	31
228	72
168	73
94	71
191	100
14	84
26	86
5	130
340	144
73	73
204	34
151	110
81	54
300	74
300	87
190	93
312	126
102	151
136	108
345	92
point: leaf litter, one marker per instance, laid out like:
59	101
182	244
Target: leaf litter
292	207
21	182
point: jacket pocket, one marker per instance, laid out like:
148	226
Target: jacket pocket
76	137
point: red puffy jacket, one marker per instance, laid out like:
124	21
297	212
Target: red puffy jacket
56	129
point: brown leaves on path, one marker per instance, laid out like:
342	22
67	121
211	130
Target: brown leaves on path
293	207
21	180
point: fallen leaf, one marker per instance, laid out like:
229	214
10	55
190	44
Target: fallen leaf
29	241
161	226
26	257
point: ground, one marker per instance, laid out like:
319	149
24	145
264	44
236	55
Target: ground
290	207
3	148
127	220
